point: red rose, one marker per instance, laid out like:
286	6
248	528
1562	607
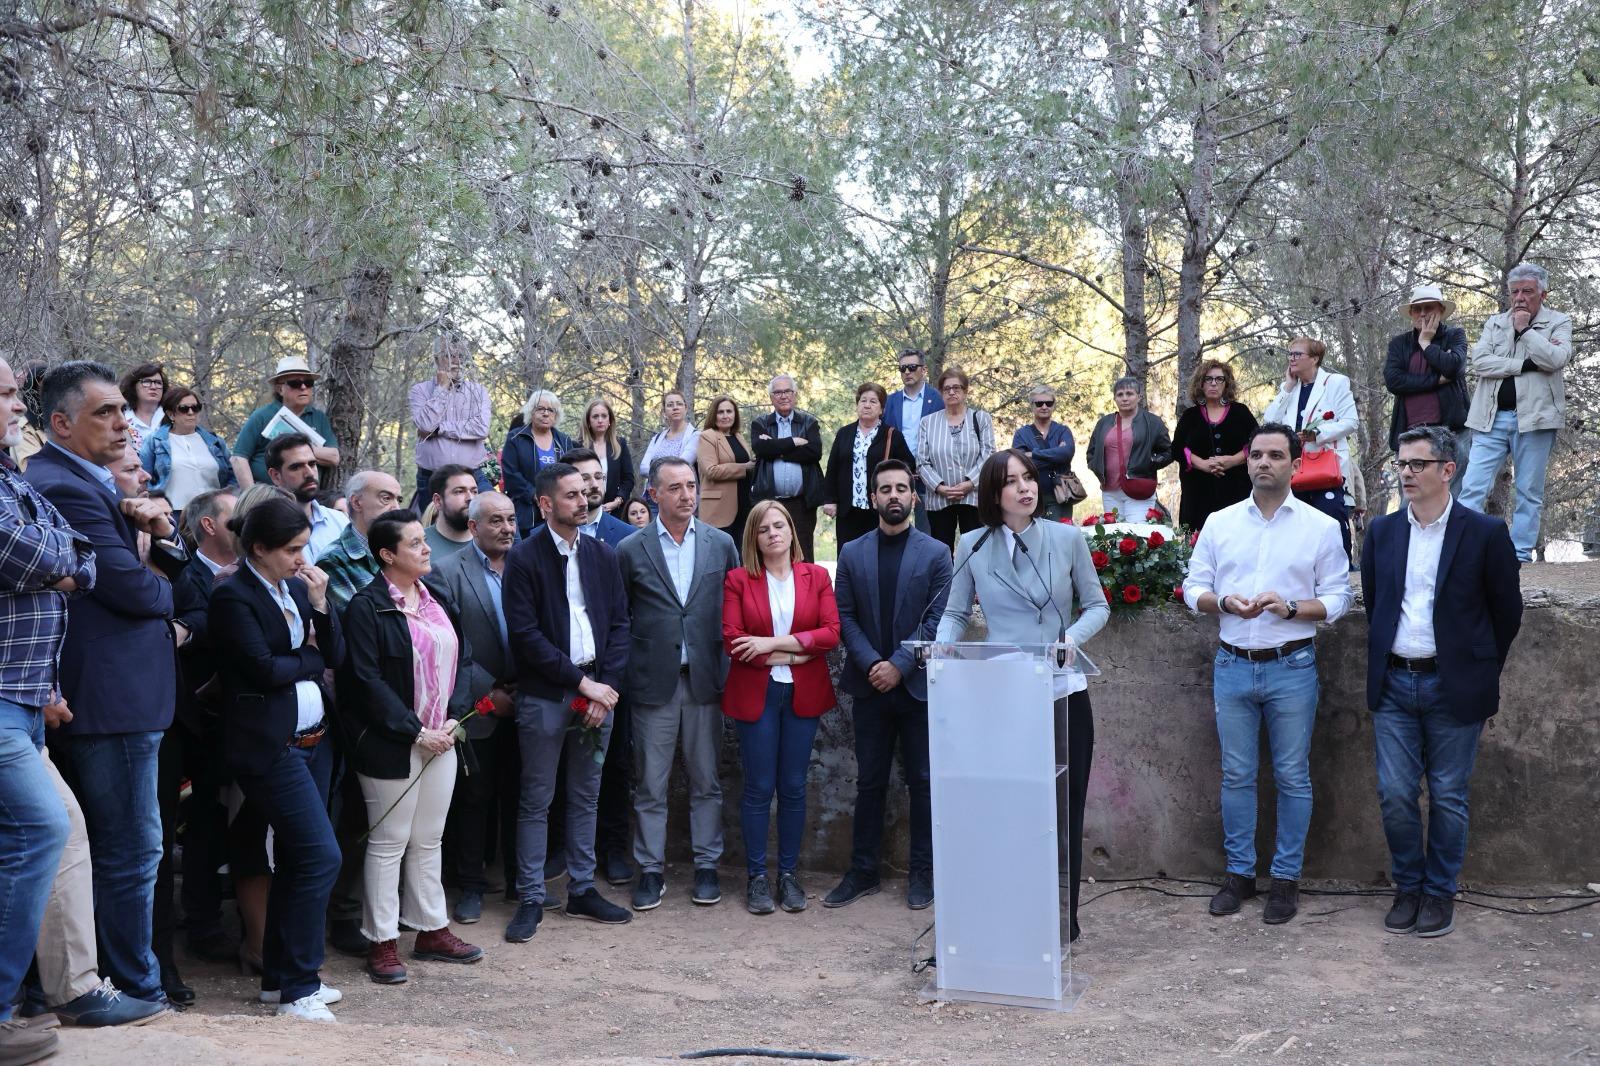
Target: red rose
580	705
1194	537
1101	559
1092	520
1065	521
1108	594
1327	416
1113	514
1128	545
1157	540
1131	594
1153	515
1177	593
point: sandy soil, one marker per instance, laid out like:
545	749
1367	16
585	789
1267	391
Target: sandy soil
1169	985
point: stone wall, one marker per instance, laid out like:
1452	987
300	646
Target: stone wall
1153	797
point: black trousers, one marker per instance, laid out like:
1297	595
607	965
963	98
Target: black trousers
947	524
164	913
612	834
349	816
1331	503
205	822
854	522
805	523
883	722
1075	748
483	809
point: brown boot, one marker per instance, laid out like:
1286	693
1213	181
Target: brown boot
441	945
383	963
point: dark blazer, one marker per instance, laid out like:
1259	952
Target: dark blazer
377	684
191	596
259	669
931	402
746	611
619	472
841	458
662	626
808	456
122	629
919	604
539	622
1477	606
613	530
519	465
1446	357
461	584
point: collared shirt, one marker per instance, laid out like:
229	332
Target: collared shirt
1297	554
1414	638
580	634
326	525
680	564
308	695
37	549
101	475
456	419
210	563
788	478
349	565
494	584
435	649
911	417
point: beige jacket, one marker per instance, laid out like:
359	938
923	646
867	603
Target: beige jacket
719	479
1499	354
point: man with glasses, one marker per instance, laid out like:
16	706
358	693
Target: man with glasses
788	449
1051	445
1431	690
913	401
1320	406
292	385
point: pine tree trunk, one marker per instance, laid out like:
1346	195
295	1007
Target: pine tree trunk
350	356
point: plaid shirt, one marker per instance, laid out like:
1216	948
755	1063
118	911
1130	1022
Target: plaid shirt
37	549
349	566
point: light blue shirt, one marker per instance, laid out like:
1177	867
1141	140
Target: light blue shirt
788	479
680	564
911	418
326	525
101	475
306	693
494	583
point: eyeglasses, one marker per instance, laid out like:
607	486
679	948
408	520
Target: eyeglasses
1293	355
299	383
910	368
1214	379
544	410
156	382
1044	403
782	392
1416	466
954	386
187	409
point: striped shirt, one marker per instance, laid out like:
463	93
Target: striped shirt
37	549
947	456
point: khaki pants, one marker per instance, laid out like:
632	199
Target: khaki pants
410	835
68	965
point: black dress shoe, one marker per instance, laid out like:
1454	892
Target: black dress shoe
1283	901
1236	888
919	892
850	889
591	906
791	894
1436	917
178	993
345	936
618	870
1402	916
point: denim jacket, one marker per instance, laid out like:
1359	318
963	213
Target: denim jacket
156	456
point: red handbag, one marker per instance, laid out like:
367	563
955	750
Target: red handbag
1139	488
1319	471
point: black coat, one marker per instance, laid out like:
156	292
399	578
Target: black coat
1206	494
619	473
259	669
1447	357
841	459
191	602
538	618
809	455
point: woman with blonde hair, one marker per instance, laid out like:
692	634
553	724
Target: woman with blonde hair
598	433
530	447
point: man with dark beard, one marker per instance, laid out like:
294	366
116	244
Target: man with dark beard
891	587
292	466
453	488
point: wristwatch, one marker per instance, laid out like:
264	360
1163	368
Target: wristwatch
1294	609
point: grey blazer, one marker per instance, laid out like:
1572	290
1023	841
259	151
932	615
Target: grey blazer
1015	605
461	580
662	626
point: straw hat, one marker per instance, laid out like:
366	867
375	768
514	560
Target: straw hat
1428	294
293	365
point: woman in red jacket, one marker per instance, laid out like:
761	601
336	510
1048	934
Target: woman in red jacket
779	621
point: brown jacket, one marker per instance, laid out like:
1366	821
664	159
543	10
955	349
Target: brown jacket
719	474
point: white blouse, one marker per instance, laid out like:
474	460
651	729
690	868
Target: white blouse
780	598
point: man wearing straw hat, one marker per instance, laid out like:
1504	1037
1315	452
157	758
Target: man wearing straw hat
1426	371
292	384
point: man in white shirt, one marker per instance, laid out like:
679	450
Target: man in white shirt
1272	567
292	466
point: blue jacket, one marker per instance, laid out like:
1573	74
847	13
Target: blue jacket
122	629
519	463
1477	606
1052	455
931	402
156	456
919	604
539	621
613	530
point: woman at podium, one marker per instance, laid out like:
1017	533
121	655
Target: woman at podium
1027	574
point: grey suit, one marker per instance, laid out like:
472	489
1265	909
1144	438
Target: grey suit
676	670
462	580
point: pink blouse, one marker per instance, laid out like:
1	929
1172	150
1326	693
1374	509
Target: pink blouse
1119	442
434	651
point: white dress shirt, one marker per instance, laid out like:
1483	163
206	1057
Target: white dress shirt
326	525
580	634
1413	638
680	564
306	693
1297	553
780	598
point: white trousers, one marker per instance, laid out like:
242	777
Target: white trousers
409	836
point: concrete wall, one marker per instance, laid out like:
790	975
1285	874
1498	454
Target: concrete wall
1153	797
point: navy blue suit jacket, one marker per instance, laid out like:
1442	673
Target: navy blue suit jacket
931	402
122	629
1477	606
919	604
613	530
538	620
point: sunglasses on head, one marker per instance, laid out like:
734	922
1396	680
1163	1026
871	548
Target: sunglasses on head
188	408
299	383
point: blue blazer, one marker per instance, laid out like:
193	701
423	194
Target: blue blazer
918	606
538	619
931	402
122	628
1477	606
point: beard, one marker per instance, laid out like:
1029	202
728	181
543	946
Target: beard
456	520
307	491
893	513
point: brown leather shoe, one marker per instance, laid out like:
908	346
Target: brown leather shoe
441	945
383	963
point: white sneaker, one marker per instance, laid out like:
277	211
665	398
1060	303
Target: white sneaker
328	995
308	1009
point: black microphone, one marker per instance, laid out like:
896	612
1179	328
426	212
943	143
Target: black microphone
987	533
1061	653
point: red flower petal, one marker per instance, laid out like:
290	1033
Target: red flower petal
1101	559
1131	594
1157	540
1127	545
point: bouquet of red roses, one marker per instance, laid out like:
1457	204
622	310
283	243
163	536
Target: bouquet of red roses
1137	571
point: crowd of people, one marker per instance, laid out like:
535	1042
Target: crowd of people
552	625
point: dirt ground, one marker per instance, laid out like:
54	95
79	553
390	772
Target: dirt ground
1169	985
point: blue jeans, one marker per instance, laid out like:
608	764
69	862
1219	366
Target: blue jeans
293	795
1415	735
775	751
116	781
1530	455
1283	693
33	830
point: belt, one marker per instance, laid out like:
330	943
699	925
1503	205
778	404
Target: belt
1266	655
1430	665
309	738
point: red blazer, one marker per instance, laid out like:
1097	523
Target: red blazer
746	613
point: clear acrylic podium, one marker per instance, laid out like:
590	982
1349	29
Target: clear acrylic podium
1000	933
